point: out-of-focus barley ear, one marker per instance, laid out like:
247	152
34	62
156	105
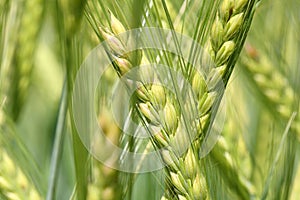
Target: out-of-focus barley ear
272	85
20	48
123	61
229	171
31	23
103	184
72	11
13	183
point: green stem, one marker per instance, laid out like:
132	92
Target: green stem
58	145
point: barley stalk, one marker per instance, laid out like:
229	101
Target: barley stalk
69	15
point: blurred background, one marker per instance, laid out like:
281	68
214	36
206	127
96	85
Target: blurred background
43	44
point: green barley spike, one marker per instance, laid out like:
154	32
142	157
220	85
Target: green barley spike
181	183
273	85
13	183
19	60
229	171
226	27
30	26
72	13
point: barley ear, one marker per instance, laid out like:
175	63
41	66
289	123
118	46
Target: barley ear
226	28
272	85
230	172
13	182
19	57
72	12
